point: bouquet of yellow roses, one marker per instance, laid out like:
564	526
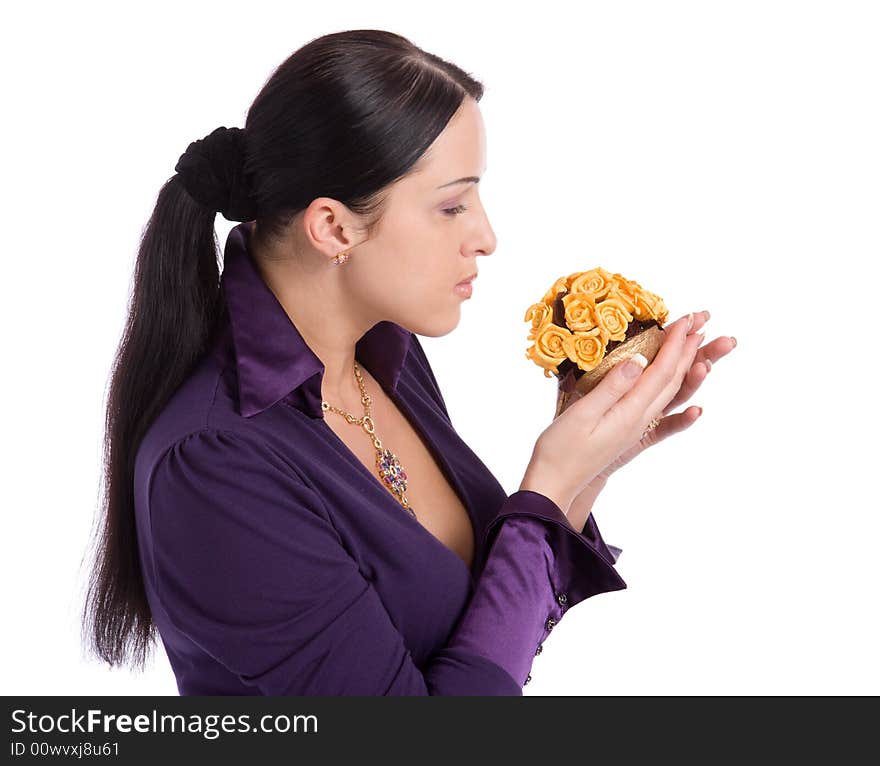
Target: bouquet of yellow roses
586	323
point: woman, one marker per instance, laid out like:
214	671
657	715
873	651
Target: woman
288	502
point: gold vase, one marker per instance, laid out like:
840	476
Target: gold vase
647	342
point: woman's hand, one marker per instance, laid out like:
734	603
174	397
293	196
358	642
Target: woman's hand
579	510
603	423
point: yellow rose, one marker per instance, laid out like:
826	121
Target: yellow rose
559	286
613	318
580	312
661	313
623	294
595	283
548	349
586	349
538	314
650	306
627	285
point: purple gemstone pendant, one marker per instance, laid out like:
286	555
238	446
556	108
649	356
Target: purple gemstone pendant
392	473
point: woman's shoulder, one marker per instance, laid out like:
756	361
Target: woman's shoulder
200	417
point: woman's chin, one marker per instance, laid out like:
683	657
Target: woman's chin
435	328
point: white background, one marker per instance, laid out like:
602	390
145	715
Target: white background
725	155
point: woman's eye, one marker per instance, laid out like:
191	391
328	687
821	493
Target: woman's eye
457	210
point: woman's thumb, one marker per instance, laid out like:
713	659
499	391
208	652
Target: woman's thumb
616	383
633	366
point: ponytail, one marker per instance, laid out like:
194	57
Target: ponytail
173	309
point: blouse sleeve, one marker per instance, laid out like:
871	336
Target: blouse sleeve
538	568
292	614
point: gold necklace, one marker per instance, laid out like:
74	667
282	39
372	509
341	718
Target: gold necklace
390	470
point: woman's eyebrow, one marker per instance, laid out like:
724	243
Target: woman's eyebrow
466	179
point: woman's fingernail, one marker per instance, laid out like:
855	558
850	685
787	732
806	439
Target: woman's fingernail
700	411
708	364
690	321
734	341
633	367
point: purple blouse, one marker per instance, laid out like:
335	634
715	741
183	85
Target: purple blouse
275	563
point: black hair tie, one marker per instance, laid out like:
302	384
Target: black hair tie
212	171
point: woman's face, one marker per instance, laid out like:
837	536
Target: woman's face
428	240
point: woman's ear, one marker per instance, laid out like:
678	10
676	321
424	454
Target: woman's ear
327	224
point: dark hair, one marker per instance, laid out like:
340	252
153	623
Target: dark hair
344	116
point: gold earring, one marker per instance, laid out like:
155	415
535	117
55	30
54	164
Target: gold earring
340	259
